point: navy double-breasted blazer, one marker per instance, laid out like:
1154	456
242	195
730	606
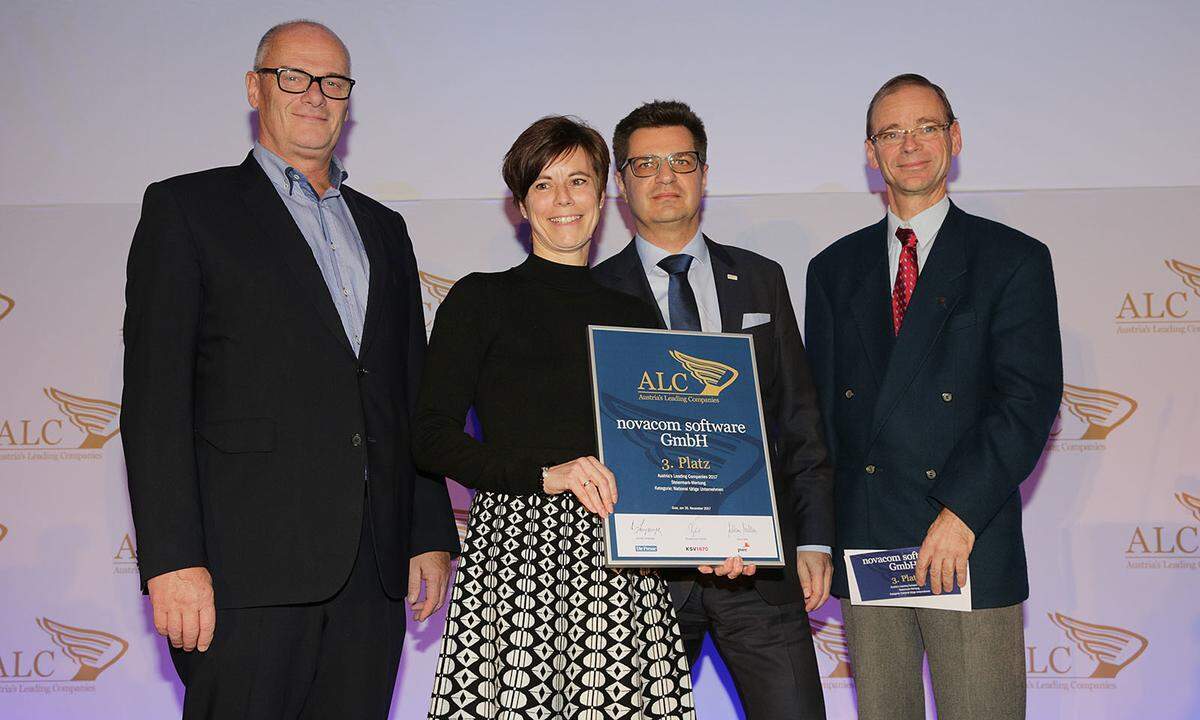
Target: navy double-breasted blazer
955	411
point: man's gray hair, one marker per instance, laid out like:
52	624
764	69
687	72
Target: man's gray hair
264	45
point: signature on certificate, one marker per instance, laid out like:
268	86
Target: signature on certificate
643	529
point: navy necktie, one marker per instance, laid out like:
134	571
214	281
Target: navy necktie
681	301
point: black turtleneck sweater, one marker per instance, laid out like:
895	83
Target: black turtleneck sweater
514	345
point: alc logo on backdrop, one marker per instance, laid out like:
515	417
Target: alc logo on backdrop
70	661
124	560
1086	656
47	437
1162	311
1167	546
6	305
434	290
1091	416
829	637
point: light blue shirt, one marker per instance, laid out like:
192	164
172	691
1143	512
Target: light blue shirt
329	228
704	286
700	277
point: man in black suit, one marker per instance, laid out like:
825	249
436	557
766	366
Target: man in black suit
935	346
758	621
273	342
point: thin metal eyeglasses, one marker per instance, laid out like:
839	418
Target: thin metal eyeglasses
647	165
925	131
297	82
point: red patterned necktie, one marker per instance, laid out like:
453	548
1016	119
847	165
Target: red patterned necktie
906	276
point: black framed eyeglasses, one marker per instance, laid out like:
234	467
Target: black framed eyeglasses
681	163
297	82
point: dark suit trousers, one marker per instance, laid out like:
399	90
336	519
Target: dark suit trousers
333	659
768	649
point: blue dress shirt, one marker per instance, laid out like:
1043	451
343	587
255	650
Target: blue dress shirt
328	227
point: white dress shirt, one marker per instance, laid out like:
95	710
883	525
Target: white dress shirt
926	225
704	287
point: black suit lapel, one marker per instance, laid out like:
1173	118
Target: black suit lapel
938	290
372	238
630	278
286	241
871	302
732	290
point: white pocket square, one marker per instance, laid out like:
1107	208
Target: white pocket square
750	320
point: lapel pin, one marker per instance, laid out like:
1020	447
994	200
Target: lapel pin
731	276
941	301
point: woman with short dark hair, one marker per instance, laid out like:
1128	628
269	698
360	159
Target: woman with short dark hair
538	626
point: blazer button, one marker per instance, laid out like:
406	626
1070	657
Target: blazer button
362	371
849	393
870	469
947	397
356	440
931	474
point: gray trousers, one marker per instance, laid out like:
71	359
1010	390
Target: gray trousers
976	661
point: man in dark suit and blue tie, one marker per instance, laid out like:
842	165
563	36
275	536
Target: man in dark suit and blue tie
758	620
935	347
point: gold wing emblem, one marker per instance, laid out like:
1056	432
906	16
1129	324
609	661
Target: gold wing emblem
1102	410
1191	502
714	375
94	650
6	305
1190	274
830	639
98	419
1111	647
436	288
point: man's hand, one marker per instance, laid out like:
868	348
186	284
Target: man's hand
183	607
944	553
816	575
731	568
432	569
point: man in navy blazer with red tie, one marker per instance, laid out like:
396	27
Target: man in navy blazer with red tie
934	343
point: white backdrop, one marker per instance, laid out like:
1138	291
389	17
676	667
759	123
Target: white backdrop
1112	514
106	97
102	97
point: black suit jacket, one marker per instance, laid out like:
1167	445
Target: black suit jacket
247	421
750	283
955	411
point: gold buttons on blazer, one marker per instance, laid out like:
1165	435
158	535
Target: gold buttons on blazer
870	469
931	473
849	393
947	397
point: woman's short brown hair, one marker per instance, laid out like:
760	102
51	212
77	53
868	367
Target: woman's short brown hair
545	141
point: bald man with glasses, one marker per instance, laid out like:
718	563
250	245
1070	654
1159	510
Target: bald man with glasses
274	336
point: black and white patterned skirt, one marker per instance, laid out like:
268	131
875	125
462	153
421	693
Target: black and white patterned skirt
539	628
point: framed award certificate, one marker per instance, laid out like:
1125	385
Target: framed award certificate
679	422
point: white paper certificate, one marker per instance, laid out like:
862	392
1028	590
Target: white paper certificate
889	578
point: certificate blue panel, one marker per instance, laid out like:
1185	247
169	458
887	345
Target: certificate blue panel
679	423
891	575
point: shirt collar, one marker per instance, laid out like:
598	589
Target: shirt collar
285	177
925	223
651	254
